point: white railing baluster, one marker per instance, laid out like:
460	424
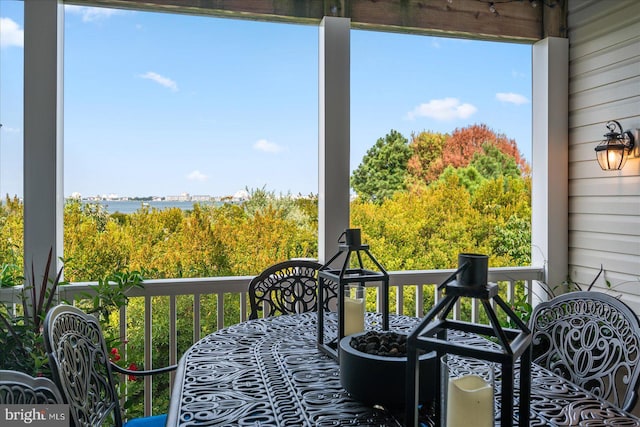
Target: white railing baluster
196	317
173	335
243	306
456	310
511	291
123	336
148	355
399	300
475	313
123	327
220	311
419	301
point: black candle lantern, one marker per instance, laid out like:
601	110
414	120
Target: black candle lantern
344	278
470	280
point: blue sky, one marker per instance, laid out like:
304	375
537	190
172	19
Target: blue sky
161	104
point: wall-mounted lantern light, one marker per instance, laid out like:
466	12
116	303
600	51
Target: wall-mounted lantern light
612	153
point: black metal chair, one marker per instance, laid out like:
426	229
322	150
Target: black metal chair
593	340
81	367
288	287
18	388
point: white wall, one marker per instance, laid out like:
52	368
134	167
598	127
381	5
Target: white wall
604	84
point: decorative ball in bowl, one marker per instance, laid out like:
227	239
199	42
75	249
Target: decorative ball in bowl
373	369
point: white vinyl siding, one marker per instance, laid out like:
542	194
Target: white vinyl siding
604	84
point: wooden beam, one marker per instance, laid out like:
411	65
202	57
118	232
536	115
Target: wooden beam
508	20
514	21
554	19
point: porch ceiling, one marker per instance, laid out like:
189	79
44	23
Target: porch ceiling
510	20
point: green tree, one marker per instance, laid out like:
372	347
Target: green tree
469	177
505	206
94	244
493	163
11	241
383	169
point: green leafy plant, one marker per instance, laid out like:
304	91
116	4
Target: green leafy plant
523	309
21	337
10	275
105	301
111	293
569	285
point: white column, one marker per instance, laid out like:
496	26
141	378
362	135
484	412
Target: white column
43	192
550	195
334	133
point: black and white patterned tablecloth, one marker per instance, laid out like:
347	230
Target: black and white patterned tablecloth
269	372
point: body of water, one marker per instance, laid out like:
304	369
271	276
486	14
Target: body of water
130	206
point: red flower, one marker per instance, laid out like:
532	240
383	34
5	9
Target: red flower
115	355
132	367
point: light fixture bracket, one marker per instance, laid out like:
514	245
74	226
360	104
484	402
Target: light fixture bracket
635	151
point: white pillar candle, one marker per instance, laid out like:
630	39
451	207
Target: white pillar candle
353	311
470	402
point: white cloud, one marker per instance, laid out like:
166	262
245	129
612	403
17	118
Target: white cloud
266	146
92	14
10	33
512	98
196	175
161	80
443	109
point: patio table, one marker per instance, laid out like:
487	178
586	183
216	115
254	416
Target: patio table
269	372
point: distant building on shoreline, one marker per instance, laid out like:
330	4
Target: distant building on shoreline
238	196
103	197
184	197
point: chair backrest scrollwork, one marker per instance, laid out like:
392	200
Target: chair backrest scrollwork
80	363
288	287
593	340
18	388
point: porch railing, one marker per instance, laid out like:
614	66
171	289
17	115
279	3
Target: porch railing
417	281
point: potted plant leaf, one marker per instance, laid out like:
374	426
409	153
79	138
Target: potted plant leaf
21	337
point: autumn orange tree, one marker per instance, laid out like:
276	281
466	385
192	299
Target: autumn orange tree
425	163
432	153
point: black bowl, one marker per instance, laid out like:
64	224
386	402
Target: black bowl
380	380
